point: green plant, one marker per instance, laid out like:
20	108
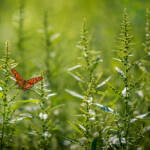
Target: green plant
143	91
90	129
126	119
7	111
46	128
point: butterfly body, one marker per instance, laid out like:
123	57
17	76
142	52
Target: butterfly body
25	84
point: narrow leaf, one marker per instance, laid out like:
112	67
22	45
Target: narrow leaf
104	82
74	94
29	101
50	95
141	117
75	127
55	107
76	77
74	67
117	59
120	72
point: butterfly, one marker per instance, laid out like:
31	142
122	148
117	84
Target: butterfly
25	84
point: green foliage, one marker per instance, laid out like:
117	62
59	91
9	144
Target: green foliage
6	125
126	135
45	132
89	123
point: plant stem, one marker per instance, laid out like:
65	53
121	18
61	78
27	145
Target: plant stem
21	36
47	47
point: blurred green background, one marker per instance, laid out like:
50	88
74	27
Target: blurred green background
66	17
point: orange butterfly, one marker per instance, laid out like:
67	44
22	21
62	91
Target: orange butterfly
25	84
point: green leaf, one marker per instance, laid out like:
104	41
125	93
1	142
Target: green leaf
55	38
29	101
120	72
113	101
18	104
55	107
1	95
75	127
55	129
94	143
75	77
141	117
104	82
74	94
74	67
100	92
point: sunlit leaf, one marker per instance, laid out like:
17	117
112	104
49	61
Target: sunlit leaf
50	95
82	127
22	117
76	77
18	104
141	117
74	94
120	72
104	82
117	59
1	95
29	101
74	67
99	92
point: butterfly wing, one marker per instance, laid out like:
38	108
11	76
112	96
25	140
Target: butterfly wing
19	80
25	84
29	83
16	74
34	80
